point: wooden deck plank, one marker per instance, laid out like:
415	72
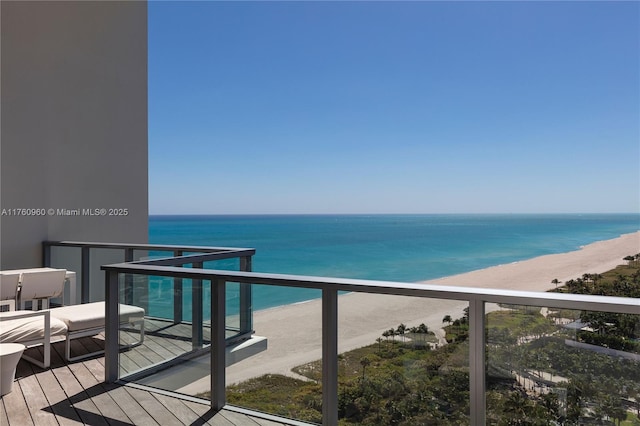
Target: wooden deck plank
58	403
77	396
159	412
37	401
181	410
92	344
207	417
96	367
151	356
166	348
4	420
238	419
107	407
128	364
16	407
135	411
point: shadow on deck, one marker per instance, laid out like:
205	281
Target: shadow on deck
75	393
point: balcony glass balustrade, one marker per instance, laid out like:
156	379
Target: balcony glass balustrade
496	357
500	355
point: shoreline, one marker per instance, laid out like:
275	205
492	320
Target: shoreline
294	331
536	274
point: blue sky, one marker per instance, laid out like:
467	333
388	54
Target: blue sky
394	107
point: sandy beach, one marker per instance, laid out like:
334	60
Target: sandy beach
294	331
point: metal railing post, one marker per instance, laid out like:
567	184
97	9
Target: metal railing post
246	300
128	279
112	324
329	357
177	295
218	346
85	275
197	338
477	372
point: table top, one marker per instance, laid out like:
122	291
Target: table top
10	348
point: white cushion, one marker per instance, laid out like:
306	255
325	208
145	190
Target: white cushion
92	315
9	285
42	284
27	329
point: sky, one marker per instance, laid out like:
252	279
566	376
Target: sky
305	107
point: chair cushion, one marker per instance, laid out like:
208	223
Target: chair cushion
27	329
92	315
42	284
9	285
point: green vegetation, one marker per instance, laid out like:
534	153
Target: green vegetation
392	382
615	331
622	281
534	377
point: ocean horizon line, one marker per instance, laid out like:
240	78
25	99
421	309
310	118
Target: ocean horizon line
396	214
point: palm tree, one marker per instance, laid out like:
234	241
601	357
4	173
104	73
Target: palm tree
447	319
556	282
364	362
465	318
401	329
517	407
551	406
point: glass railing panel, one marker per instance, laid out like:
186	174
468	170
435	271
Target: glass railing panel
403	360
560	366
68	258
270	380
173	354
233	306
99	257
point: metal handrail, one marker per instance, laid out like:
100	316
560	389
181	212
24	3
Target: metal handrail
138	246
476	297
200	254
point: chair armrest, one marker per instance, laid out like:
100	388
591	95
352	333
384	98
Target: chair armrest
25	314
46	340
13	315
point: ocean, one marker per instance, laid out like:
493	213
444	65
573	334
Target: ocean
395	247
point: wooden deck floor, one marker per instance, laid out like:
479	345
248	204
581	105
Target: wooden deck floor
75	393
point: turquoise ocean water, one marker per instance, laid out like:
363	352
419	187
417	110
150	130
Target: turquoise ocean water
385	247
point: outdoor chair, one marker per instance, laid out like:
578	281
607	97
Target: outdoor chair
41	286
89	320
61	323
9	290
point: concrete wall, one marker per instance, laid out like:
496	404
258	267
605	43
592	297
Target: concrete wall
73	129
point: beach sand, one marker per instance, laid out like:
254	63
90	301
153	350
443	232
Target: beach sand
294	331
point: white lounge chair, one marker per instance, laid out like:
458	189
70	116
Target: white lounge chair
33	328
89	319
9	289
66	322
